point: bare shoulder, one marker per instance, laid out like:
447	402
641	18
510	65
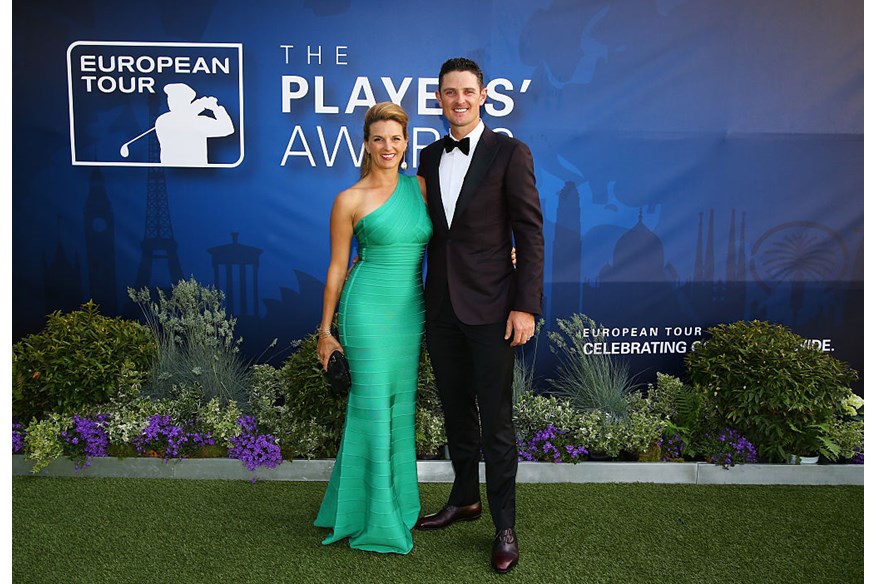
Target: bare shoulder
352	196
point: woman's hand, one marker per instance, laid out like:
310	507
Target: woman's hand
327	345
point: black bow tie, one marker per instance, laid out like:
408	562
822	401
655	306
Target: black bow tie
450	144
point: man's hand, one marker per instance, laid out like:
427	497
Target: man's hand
353	265
520	327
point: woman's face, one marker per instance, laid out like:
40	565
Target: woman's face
387	144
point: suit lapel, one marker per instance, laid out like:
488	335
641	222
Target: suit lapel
480	163
433	185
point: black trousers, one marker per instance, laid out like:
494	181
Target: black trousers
474	372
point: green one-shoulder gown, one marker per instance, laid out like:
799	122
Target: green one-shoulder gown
372	496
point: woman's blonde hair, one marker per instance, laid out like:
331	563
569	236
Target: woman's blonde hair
382	112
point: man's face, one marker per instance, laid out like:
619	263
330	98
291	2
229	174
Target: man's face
461	98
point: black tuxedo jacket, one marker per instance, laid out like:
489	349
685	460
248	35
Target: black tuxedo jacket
471	259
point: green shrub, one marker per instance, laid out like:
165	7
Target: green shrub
263	393
848	435
297	437
75	361
128	411
129	420
765	382
599	432
429	415
309	402
196	344
42	442
590	381
533	413
220	421
641	429
685	413
630	437
430	433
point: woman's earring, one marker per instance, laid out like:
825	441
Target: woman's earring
404	165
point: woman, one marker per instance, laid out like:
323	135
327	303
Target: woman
373	497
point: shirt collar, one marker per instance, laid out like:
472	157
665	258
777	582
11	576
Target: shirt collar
474	136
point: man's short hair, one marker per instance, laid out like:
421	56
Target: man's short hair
461	64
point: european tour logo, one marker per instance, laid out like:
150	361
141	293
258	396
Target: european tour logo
155	104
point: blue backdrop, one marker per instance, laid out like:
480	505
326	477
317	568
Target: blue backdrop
698	161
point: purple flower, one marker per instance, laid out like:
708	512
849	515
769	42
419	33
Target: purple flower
671	448
17	438
550	445
728	448
88	438
161	436
254	449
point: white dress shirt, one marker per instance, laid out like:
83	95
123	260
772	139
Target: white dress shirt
452	170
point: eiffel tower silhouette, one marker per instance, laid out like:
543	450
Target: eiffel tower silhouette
158	242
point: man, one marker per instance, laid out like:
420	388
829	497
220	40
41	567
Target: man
182	132
482	200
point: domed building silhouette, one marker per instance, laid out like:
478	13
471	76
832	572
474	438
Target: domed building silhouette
638	289
638	257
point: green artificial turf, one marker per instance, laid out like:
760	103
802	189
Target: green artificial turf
153	530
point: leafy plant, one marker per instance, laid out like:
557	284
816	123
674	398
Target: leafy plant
196	343
533	413
814	440
848	435
223	423
264	394
75	361
308	400
671	399
764	381
640	430
42	440
601	433
684	411
591	381
631	437
298	438
128	412
430	433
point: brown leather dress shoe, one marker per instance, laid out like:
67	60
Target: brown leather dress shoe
505	550
448	516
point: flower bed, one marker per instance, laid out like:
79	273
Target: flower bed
183	392
83	439
429	471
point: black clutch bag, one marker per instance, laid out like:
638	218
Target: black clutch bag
338	374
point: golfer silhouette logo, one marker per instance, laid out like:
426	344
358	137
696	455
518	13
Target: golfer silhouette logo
182	132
